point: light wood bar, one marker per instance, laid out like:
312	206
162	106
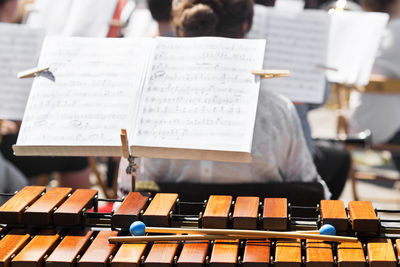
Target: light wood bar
319	254
72	245
381	253
193	254
288	253
41	212
129	210
257	253
128	255
333	212
161	254
157	213
70	212
11	212
99	252
275	214
350	254
11	244
245	213
34	253
363	216
217	212
224	253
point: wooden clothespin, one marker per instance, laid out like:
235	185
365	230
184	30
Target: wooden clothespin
31	73
269	74
124	142
326	67
131	169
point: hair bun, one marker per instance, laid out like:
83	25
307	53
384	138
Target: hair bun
200	20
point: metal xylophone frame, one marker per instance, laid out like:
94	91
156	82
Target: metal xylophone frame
311	221
104	220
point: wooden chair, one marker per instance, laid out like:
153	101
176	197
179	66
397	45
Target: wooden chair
376	85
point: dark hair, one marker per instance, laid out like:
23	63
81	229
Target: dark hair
265	2
160	9
223	18
378	5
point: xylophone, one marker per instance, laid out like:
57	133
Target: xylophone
57	228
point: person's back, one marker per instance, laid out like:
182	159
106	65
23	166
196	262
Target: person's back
379	111
279	151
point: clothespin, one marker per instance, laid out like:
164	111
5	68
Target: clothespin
269	74
124	142
31	73
131	169
326	67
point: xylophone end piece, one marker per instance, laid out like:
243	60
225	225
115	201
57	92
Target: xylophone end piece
137	228
327	229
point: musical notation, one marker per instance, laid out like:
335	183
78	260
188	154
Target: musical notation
93	96
207	90
19	50
205	98
297	41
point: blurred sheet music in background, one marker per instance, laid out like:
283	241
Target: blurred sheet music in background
353	45
297	41
19	50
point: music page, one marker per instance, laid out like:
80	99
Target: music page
297	41
203	97
353	45
87	97
19	50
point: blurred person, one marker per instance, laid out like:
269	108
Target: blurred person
279	150
8	11
379	111
161	12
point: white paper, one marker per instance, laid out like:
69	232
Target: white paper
297	41
50	15
94	95
19	50
203	97
90	18
353	45
291	5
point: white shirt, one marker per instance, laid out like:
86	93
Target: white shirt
377	111
279	154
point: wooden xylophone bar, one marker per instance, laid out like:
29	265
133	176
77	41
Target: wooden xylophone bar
49	229
87	248
60	207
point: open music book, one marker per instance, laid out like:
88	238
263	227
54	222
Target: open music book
184	98
19	50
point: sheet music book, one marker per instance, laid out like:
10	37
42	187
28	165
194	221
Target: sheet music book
19	50
199	103
353	45
88	18
297	41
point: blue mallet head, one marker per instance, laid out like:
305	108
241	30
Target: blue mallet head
327	229
137	228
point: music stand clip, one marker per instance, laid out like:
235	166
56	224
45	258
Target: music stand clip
132	166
